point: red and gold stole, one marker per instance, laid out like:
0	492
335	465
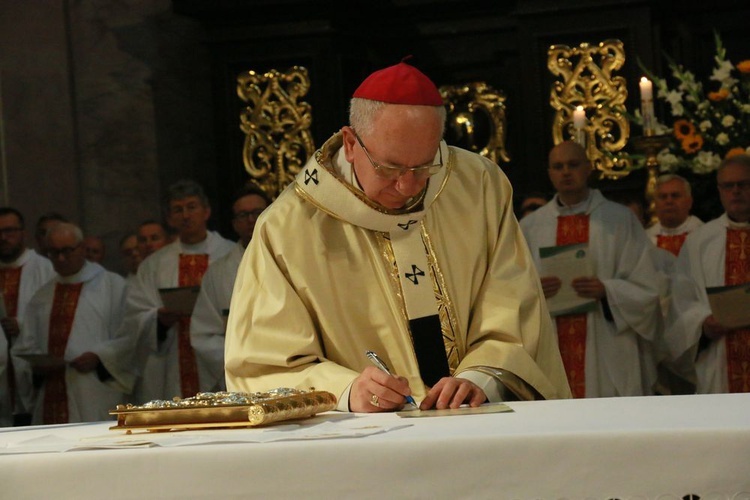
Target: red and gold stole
571	328
64	306
10	279
671	242
737	272
192	267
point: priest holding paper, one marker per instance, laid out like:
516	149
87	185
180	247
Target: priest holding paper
71	336
166	359
393	242
599	280
716	254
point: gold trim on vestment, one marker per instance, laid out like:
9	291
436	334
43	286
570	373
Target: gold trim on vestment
446	312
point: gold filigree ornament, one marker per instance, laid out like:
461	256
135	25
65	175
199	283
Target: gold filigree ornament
223	410
276	123
476	119
586	80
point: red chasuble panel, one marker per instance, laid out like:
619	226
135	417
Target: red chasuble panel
737	272
571	328
64	305
671	243
191	271
10	280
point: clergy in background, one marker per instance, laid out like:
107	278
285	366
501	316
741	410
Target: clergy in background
607	350
391	241
75	318
715	254
672	204
209	320
22	273
166	359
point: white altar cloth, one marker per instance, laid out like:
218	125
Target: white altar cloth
663	447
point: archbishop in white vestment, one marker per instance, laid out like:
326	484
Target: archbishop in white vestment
619	359
95	328
321	282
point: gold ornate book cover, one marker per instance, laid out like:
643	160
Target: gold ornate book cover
223	410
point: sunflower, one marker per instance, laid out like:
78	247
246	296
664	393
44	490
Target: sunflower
692	144
734	152
744	66
719	95
683	129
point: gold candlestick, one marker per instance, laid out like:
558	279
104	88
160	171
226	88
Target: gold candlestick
649	146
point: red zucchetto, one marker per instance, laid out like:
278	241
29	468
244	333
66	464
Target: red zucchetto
400	84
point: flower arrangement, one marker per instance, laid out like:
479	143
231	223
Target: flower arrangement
709	124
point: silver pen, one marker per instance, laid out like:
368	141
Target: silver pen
375	359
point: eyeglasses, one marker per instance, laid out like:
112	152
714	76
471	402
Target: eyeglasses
246	215
10	231
54	253
729	186
392	172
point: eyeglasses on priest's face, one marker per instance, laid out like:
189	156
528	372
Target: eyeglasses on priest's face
392	172
730	186
55	253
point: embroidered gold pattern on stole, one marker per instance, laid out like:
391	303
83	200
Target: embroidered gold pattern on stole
671	243
448	322
737	272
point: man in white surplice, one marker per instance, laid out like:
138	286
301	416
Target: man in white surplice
22	273
716	254
168	364
672	203
616	335
208	323
76	316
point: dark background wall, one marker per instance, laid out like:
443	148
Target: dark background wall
106	102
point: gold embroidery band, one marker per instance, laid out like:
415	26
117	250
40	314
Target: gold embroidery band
64	305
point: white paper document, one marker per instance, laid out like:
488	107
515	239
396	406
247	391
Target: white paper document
567	262
730	305
324	426
180	300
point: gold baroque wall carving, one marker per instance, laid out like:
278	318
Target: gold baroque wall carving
476	119
586	79
276	123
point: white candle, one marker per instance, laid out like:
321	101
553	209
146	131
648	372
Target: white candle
647	89
647	105
579	118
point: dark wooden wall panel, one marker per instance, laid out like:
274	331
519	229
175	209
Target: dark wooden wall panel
502	43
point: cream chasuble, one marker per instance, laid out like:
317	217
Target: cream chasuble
329	274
